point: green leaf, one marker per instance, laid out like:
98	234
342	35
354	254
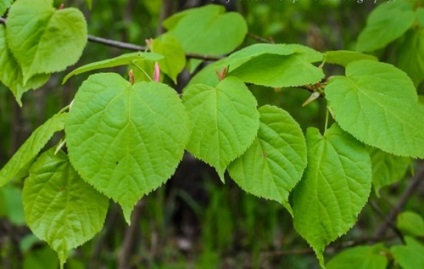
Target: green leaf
274	163
225	121
282	55
411	55
42	39
4	5
377	103
362	257
124	59
11	73
20	162
334	188
11	200
387	168
208	30
174	60
278	71
410	223
126	140
409	256
59	206
387	22
344	57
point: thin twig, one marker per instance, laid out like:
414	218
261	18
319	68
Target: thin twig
134	47
412	187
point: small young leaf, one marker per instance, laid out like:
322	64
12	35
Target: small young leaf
225	121
59	206
409	256
410	223
387	168
362	257
11	73
378	104
335	186
274	163
42	39
344	57
126	140
208	30
20	162
381	28
125	59
174	60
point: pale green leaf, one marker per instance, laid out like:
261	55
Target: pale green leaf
409	256
124	59
208	30
387	168
387	22
274	163
59	206
126	140
224	119
175	58
344	57
362	257
250	55
30	149
377	103
410	223
4	5
278	71
11	73
335	187
42	39
411	55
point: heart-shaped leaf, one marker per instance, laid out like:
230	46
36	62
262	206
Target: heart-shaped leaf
59	206
274	163
126	140
224	119
378	104
334	188
42	39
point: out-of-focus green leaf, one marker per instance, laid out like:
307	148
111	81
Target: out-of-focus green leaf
344	57
410	223
362	257
409	256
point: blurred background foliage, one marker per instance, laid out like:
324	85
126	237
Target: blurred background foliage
193	221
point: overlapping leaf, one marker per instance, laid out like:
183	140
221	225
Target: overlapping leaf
387	168
274	163
42	39
386	23
334	188
21	160
59	206
126	140
344	57
273	65
362	257
224	119
11	73
377	103
207	30
175	58
4	5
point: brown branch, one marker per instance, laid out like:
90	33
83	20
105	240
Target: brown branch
134	47
412	187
